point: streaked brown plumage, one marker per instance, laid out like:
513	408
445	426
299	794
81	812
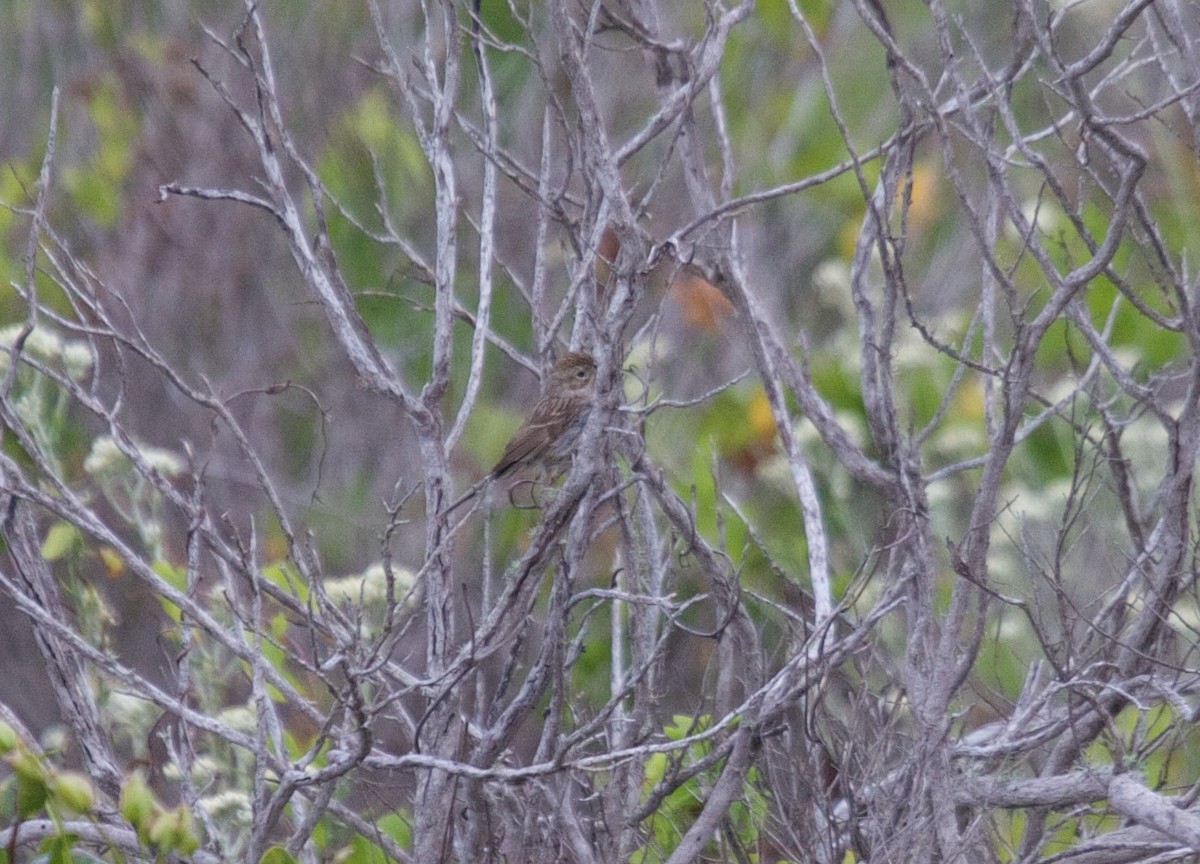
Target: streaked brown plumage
547	439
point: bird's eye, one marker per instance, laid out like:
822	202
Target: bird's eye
581	373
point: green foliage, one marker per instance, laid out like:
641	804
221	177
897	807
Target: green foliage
41	392
72	790
277	855
364	851
730	433
32	779
62	538
1161	741
35	787
15	180
1004	657
96	188
776	19
168	831
8	739
60	850
369	146
590	673
487	432
173	831
781	127
684	802
1175	205
397	826
138	804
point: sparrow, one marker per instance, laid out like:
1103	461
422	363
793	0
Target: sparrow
547	439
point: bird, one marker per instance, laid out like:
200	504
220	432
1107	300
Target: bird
547	438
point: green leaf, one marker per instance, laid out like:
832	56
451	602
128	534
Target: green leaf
59	849
276	855
60	539
31	795
174	830
364	852
138	804
398	827
176	576
656	768
27	766
97	187
72	790
8	739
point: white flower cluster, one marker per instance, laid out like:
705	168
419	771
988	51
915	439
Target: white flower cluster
242	718
368	587
47	345
107	460
230	806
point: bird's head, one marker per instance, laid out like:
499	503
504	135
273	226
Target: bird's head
575	372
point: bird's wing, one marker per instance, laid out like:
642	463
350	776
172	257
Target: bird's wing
525	442
549	418
554	411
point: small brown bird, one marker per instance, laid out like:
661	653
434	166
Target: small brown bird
547	439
